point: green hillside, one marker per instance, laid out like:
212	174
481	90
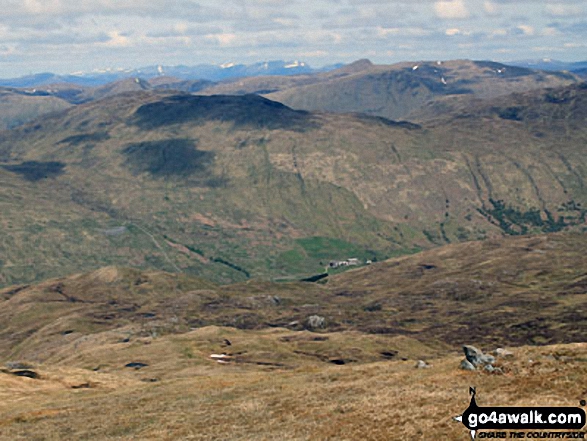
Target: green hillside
233	187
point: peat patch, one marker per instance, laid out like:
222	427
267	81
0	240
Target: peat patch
35	170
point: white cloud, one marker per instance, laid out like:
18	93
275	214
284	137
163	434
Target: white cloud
490	8
456	31
562	10
181	27
384	32
72	8
575	45
6	50
451	9
549	32
547	49
526	29
117	40
286	22
77	34
498	33
412	32
313	54
222	39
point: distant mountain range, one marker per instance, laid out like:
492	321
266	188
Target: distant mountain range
228	71
415	91
210	72
553	65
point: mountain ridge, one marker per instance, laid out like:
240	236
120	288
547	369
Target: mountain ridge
414	91
210	72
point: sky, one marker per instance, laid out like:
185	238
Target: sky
67	36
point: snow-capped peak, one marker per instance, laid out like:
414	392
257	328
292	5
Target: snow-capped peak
295	63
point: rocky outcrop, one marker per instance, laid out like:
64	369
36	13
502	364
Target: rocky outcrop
476	359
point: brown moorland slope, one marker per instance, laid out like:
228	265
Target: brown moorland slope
375	401
349	380
514	291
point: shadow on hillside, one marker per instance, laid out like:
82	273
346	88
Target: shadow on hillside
247	111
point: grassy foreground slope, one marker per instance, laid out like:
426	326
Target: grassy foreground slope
354	378
234	187
377	401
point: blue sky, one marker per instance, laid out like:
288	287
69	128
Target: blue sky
65	36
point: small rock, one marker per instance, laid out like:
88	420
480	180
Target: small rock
467	365
488	368
504	353
315	322
136	365
422	365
